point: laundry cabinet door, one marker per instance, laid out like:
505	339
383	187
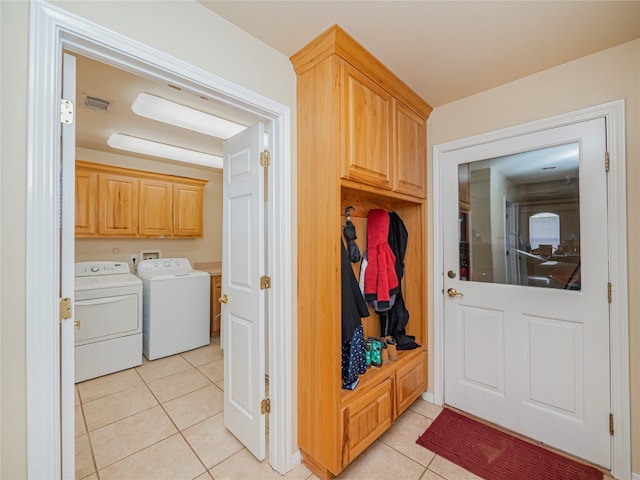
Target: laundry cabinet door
117	205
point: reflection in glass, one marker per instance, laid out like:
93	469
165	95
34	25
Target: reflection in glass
519	218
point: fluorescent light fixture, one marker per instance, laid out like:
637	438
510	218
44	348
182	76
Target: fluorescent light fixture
162	150
157	108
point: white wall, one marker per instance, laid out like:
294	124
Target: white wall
184	29
606	76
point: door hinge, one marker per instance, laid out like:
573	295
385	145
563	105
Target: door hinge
265	282
606	162
65	308
609	292
265	406
66	111
611	424
265	158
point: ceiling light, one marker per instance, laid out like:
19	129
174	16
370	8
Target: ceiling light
157	108
162	150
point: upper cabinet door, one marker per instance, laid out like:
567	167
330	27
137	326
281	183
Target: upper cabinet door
86	201
118	205
187	210
410	144
156	213
368	126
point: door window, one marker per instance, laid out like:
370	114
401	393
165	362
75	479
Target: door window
519	218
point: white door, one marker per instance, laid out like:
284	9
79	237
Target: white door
525	270
243	263
67	258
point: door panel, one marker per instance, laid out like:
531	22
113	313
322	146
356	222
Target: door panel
526	312
243	262
481	348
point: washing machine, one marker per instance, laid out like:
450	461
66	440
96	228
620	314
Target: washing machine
175	307
108	307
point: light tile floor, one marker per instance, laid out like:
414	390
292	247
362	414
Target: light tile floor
163	420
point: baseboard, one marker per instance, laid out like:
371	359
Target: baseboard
635	476
296	458
428	397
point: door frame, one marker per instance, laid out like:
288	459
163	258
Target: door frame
613	112
51	29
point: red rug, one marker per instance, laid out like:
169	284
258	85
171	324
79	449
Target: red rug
495	455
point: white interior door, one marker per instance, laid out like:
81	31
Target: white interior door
526	307
67	258
243	263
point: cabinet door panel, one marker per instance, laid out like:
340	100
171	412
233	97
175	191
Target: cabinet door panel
86	202
118	205
367	117
187	210
156	208
410	152
369	416
411	381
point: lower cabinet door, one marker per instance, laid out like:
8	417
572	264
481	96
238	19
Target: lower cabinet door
411	381
367	417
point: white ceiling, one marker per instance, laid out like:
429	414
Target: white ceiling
444	50
447	50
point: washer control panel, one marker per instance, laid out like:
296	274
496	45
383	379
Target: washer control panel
90	269
157	266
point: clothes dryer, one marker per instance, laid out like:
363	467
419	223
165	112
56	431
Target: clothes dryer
108	307
175	308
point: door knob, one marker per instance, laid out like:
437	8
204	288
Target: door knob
452	292
76	323
224	299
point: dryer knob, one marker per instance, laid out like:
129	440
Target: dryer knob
94	269
167	263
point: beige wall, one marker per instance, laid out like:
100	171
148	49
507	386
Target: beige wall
207	248
184	29
603	77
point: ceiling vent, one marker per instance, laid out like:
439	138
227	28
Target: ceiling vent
96	104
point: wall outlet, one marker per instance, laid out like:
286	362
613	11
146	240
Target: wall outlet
134	259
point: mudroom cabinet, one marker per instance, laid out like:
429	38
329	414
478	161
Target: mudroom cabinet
361	144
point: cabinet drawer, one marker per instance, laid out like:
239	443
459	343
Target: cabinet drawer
367	417
411	381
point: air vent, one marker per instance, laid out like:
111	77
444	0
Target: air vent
95	103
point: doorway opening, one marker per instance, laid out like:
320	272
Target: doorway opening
52	31
612	191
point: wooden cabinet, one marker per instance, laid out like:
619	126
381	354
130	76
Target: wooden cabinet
216	293
86	201
122	202
156	201
117	205
187	210
410	152
361	143
367	417
368	122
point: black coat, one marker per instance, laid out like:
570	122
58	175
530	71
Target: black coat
353	305
396	319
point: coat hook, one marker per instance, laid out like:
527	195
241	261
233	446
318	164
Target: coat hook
346	211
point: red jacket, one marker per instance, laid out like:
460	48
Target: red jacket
380	279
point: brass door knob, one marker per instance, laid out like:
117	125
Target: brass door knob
224	299
76	323
452	292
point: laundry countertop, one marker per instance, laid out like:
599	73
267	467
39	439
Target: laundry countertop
212	268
